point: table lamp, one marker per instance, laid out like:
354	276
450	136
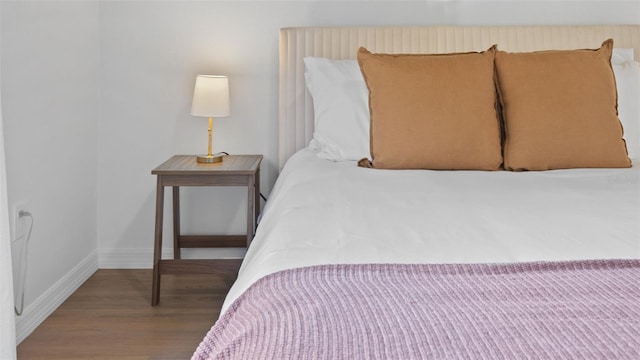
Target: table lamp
210	99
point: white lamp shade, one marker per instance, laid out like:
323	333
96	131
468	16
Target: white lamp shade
211	96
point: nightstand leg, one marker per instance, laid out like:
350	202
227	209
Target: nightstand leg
257	200
250	209
176	222
157	244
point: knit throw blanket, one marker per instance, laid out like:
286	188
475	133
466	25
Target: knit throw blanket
555	310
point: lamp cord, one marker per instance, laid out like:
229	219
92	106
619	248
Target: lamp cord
226	153
23	269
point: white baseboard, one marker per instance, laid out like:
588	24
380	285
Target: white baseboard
35	313
142	258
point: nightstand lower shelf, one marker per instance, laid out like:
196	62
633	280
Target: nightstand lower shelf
208	241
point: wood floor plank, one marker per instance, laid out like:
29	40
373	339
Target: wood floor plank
110	317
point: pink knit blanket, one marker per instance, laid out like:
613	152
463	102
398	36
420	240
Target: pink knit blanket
556	310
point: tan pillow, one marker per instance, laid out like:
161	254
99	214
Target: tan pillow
560	110
433	111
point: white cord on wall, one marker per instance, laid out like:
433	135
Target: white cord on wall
23	261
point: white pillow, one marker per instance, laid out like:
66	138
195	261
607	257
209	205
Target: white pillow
621	55
341	108
627	73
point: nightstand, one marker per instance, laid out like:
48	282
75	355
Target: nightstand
183	170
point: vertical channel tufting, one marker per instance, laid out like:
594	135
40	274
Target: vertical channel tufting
296	107
283	108
308	113
300	103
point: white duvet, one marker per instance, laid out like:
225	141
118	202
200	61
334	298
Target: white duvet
323	212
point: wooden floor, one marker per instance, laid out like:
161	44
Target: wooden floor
110	317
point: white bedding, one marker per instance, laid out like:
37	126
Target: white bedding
323	212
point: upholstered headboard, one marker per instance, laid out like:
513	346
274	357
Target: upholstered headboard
296	108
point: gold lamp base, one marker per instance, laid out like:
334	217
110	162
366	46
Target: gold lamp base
209	158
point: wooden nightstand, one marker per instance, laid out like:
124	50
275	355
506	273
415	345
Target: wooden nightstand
183	170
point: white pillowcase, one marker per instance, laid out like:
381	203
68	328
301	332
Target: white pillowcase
627	73
341	108
621	55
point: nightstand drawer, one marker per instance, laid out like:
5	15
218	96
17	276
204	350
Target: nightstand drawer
210	180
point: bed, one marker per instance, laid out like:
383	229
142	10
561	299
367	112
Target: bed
353	262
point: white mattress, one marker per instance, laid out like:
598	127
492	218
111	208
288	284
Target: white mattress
323	212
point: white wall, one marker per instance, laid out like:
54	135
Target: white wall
50	59
151	52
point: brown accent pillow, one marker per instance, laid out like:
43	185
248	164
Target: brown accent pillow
560	110
433	111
